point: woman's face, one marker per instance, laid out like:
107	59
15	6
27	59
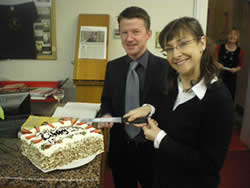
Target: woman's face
184	54
233	36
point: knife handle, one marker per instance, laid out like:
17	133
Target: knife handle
136	121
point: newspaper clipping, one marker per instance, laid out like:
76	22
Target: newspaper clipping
93	42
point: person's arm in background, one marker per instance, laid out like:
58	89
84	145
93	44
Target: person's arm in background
241	58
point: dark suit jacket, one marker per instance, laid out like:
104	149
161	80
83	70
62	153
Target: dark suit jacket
113	98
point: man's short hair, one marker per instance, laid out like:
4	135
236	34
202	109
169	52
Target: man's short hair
135	12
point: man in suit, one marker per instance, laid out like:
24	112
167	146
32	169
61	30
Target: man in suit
130	158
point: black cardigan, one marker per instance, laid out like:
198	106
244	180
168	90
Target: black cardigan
198	135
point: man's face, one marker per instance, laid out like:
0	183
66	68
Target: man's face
134	36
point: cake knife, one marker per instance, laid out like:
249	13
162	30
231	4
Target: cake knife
114	120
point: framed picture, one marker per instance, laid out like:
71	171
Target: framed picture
45	29
116	34
157	45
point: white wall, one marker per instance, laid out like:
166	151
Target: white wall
161	12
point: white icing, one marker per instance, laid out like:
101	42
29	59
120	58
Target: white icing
64	132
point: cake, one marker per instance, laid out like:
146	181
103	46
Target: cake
52	145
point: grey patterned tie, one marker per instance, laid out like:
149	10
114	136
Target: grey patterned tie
132	97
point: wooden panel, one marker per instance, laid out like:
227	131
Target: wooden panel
241	21
245	30
219	19
91	94
90	69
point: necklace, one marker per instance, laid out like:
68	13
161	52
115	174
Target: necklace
187	90
192	82
231	48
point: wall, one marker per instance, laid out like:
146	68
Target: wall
161	11
245	131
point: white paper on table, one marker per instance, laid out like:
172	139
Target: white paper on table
58	112
77	110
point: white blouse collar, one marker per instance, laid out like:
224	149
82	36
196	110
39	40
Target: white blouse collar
198	89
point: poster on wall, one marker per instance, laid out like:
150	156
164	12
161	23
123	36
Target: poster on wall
17	35
93	42
42	27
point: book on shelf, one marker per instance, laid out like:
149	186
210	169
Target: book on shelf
13	88
38	98
42	92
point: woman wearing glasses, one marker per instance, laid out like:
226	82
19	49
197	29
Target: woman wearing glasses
195	116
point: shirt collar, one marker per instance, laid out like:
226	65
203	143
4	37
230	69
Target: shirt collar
143	60
198	89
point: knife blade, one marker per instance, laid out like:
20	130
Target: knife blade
114	120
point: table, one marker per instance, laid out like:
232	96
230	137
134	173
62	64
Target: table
17	171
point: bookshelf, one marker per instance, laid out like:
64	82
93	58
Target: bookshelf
30	85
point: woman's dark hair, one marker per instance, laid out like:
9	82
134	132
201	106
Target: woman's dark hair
135	12
180	27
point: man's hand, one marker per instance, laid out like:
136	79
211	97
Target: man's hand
106	125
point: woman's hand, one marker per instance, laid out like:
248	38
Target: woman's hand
138	113
236	69
150	129
220	66
105	125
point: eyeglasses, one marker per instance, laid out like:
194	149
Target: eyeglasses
181	46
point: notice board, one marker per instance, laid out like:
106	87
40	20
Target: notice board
92	43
